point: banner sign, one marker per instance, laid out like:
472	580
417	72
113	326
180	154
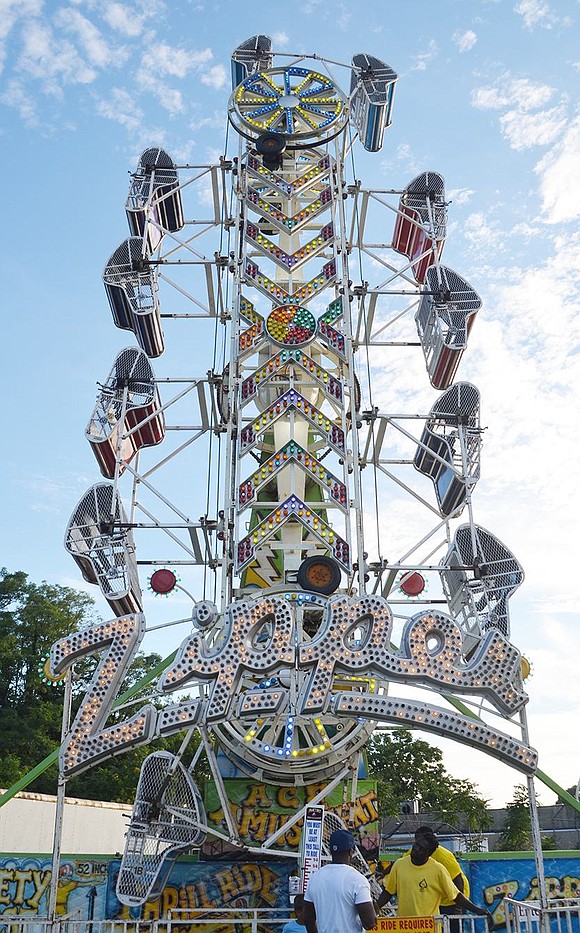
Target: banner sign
261	809
311	845
405	925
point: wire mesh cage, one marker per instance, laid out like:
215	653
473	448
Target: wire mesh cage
421	224
131	286
168	819
478	575
372	92
100	540
154	204
253	55
444	319
128	414
450	445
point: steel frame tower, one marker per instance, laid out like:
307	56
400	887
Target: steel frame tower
298	635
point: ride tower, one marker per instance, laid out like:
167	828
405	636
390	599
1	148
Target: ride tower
298	632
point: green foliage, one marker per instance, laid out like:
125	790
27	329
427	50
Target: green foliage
32	618
410	769
516	835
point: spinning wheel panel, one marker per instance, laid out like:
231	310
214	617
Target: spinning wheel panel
295	102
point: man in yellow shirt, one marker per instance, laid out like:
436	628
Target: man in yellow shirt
421	884
448	860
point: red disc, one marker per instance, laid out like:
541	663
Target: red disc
413	585
162	581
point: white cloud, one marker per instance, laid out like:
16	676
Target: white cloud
528	95
52	60
460	195
125	19
536	13
424	58
524	350
344	19
524	130
482	232
15	96
164	59
465	40
120	106
527	229
99	50
489	98
280	40
182	153
13	11
170	99
559	173
527	121
519	93
408	158
216	122
214	77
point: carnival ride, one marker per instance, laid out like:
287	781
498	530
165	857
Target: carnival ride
304	285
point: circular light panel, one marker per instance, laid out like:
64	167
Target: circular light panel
291	326
298	103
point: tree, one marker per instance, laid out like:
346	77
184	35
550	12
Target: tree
32	618
516	835
410	769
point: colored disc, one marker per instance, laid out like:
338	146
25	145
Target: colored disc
413	585
291	326
163	581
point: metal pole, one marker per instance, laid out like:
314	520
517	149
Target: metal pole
60	800
535	821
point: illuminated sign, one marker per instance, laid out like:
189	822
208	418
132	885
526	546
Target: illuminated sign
340	670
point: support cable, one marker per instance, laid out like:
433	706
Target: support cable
212	433
367	355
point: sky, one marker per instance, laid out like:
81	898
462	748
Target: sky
487	96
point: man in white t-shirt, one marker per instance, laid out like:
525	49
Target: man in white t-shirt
338	898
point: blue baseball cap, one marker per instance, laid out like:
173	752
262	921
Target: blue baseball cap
341	841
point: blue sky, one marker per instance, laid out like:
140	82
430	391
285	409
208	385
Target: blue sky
487	96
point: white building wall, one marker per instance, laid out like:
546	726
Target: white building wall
90	827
